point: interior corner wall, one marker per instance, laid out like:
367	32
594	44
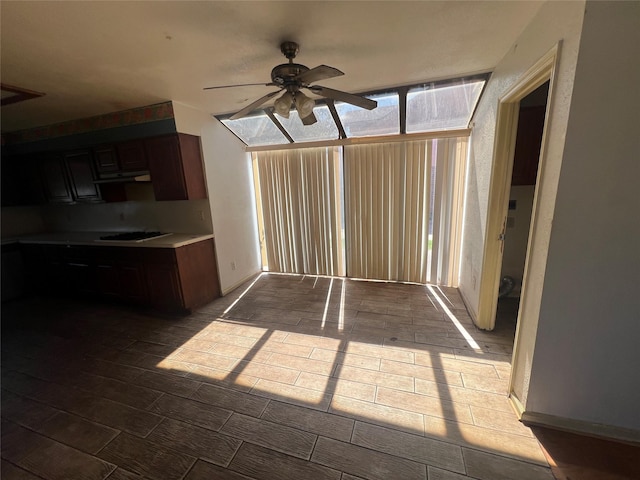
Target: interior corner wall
586	364
555	22
231	197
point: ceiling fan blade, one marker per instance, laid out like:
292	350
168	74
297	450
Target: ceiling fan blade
356	100
318	73
253	106
309	119
240	85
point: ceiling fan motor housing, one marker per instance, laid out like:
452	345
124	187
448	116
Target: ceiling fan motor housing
289	49
291	77
285	74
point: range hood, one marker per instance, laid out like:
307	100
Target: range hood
121	177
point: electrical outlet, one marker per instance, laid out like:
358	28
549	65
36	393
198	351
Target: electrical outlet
233	265
201	213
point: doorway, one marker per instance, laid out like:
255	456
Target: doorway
541	73
531	119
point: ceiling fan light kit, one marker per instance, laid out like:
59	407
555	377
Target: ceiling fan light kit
283	105
291	77
304	104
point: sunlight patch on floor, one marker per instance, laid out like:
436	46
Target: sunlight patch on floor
469	339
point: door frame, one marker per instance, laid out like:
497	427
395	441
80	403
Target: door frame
504	148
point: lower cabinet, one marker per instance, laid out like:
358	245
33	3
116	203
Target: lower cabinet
170	279
164	286
132	282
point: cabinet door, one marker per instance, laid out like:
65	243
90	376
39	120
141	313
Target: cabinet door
55	180
54	266
82	177
132	282
164	286
107	281
132	156
80	277
79	264
106	159
198	273
165	166
192	166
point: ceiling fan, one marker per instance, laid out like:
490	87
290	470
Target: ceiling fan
291	77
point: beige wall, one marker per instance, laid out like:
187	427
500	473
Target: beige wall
586	360
231	197
580	322
18	221
517	233
190	216
556	22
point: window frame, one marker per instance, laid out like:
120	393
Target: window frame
401	91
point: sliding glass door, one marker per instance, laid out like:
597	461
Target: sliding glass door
402	206
300	210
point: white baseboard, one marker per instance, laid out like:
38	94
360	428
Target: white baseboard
471	313
516	404
581	427
237	284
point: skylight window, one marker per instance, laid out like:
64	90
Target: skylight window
256	130
429	107
382	120
324	129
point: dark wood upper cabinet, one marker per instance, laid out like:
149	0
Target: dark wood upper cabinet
55	179
132	156
166	172
122	157
106	159
175	164
82	177
69	178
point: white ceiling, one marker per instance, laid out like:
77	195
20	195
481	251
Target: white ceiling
92	58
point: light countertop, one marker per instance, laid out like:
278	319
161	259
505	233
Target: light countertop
173	240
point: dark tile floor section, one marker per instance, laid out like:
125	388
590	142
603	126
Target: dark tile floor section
578	457
288	377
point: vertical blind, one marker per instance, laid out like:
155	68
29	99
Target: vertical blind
386	209
402	210
301	211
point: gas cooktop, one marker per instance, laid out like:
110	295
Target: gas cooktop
132	236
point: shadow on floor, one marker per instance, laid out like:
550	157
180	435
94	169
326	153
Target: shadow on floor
578	457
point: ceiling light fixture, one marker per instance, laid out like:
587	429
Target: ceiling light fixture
304	104
283	105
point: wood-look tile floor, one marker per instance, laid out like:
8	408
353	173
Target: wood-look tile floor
288	377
